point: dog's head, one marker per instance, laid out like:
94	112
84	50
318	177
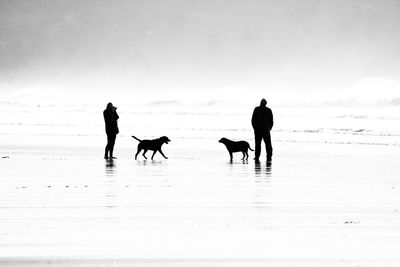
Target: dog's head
164	139
223	140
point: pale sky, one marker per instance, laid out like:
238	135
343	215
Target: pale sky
202	44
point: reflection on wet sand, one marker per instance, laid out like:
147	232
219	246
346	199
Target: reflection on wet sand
262	190
201	208
111	195
146	162
263	170
110	167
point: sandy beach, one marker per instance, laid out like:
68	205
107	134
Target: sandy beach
320	79
315	205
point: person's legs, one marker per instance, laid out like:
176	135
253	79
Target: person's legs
112	143
257	138
107	149
106	152
268	145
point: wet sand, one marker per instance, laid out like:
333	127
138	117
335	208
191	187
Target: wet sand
316	205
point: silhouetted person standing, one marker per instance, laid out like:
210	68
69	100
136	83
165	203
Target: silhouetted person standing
262	121
110	118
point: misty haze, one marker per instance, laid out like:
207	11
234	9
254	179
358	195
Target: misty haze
79	79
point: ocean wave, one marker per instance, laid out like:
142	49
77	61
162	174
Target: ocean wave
337	131
353	116
348	131
391	102
367	117
338	142
164	103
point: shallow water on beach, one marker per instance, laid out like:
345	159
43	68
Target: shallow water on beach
315	205
330	198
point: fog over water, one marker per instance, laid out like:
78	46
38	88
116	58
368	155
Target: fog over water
284	49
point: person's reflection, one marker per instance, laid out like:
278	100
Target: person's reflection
262	185
110	167
110	192
268	169
259	170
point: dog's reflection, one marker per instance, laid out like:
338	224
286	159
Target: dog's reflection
149	162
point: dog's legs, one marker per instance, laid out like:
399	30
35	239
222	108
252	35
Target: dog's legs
138	151
247	155
144	153
244	155
153	154
162	154
230	154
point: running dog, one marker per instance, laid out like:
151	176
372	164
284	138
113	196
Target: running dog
153	145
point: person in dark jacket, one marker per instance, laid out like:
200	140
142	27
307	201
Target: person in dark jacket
262	121
110	119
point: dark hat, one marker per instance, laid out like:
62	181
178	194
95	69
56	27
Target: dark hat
263	102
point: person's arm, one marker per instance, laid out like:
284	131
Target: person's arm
272	121
105	115
253	118
116	117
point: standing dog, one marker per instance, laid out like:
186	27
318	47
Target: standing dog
154	145
240	146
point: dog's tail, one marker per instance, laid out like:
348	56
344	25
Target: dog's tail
250	148
137	138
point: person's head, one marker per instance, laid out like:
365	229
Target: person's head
110	106
263	102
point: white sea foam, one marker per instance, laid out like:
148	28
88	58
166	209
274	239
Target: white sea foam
204	115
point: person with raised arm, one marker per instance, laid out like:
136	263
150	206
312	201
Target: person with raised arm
110	118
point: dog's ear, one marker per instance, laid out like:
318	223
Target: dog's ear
165	139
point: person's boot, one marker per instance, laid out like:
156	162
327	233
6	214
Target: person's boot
111	154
